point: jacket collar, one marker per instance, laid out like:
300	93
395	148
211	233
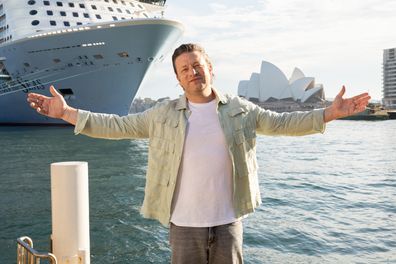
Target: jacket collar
182	101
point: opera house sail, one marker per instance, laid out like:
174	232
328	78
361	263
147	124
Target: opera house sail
273	90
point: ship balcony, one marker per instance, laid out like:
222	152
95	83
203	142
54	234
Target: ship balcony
5	77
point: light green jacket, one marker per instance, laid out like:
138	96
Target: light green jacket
165	126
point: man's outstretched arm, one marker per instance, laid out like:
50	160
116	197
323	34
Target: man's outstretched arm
345	107
55	106
308	122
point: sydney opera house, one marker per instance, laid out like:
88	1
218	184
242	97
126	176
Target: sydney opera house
271	89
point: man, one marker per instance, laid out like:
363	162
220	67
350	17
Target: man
202	170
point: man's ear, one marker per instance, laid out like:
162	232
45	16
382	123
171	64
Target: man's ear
211	72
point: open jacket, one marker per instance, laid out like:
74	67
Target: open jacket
165	127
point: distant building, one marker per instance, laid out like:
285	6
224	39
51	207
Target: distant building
389	78
272	90
140	105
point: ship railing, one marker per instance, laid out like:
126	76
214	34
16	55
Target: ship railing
153	2
26	254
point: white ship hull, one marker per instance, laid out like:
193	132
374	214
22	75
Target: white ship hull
97	67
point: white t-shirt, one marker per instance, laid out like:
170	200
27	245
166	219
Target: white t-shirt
203	195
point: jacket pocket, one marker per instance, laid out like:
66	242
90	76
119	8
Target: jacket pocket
160	157
245	151
162	145
165	127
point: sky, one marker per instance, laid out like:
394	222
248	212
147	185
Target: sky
338	42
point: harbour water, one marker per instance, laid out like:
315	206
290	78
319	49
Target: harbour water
327	198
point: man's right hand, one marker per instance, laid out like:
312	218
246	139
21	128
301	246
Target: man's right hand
55	106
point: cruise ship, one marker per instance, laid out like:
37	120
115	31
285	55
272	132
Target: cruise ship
95	52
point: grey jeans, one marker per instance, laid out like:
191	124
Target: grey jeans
207	245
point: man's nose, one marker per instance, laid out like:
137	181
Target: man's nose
194	71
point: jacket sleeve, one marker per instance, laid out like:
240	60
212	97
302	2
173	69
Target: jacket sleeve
290	124
113	126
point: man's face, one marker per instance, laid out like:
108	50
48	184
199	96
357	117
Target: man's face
194	73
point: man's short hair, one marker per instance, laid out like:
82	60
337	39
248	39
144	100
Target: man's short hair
189	47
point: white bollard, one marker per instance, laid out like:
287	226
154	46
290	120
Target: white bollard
70	212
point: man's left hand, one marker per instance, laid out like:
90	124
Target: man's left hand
345	107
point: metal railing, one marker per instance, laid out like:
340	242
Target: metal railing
27	255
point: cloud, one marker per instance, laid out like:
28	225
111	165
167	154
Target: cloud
334	41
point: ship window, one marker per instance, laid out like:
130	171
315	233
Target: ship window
59	4
93	7
82	6
33	12
31	2
71	4
66	91
115	1
123	54
115	18
98	56
119	10
132	4
98	16
144	14
129	12
123	2
52	23
62	13
79	23
110	9
106	1
50	13
86	15
66	23
75	14
26	64
35	22
47	3
141	7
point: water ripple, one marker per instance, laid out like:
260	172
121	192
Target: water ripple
326	198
